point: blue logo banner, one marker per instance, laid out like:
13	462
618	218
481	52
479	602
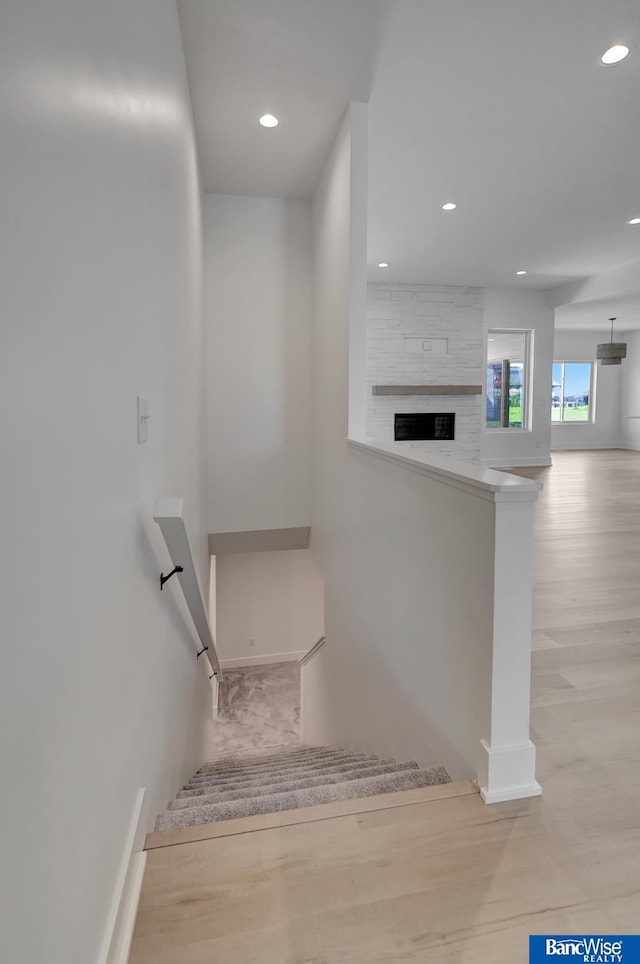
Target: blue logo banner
585	948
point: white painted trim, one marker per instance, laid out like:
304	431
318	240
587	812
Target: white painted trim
513	793
312	652
507	773
215	686
262	660
584	446
122	946
485	483
124	902
508	463
259	540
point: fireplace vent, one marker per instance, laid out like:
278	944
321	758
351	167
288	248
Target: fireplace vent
433	426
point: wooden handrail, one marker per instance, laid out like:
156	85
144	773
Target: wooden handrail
169	516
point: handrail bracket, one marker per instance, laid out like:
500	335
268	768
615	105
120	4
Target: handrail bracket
166	578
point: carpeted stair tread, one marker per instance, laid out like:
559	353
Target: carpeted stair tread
281	776
285	762
268	789
243	776
268	752
310	796
271	754
263	763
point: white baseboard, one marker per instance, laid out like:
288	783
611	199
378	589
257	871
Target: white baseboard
121	919
516	463
261	660
585	447
215	702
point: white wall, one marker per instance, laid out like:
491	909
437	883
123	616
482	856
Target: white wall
450	320
408	560
258	309
525	309
604	431
270	606
630	393
101	274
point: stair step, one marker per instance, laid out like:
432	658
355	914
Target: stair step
267	762
245	776
346	790
275	776
324	811
267	754
268	788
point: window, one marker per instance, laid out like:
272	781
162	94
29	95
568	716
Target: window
508	379
571	392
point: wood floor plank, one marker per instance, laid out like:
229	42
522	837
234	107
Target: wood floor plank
453	881
323	811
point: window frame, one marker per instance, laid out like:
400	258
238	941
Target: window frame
527	389
591	415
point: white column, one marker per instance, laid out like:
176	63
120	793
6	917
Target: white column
506	765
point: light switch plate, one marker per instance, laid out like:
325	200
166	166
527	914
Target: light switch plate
143	418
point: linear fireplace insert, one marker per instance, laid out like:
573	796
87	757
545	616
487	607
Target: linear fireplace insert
416	426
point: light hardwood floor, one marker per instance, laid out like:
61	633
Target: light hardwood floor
453	881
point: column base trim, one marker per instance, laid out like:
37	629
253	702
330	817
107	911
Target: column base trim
511	793
507	773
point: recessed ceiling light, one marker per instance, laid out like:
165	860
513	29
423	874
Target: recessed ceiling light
268	120
449	206
521	272
383	264
614	54
633	221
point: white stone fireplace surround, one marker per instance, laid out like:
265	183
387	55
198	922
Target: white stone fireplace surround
425	335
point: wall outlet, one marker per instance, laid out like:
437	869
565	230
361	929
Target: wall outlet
252	643
436	346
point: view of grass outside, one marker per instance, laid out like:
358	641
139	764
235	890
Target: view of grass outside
515	415
579	413
571	392
513	371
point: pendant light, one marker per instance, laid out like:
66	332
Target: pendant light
611	353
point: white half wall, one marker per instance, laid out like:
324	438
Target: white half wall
258	310
605	431
101	289
630	393
270	606
422	659
522	309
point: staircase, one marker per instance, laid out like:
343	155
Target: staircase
288	777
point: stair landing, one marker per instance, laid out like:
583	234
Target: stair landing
397	880
323	811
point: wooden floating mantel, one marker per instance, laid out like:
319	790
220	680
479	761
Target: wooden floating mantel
427	389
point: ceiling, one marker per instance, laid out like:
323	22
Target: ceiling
595	315
302	60
500	105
